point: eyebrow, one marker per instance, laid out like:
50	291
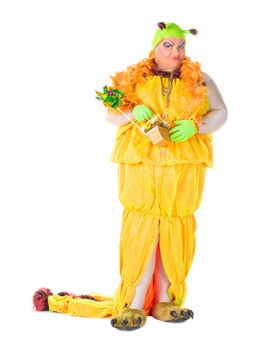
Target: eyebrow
181	42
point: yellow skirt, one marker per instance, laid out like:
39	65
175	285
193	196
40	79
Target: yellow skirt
157	200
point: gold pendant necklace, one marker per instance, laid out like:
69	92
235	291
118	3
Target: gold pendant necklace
166	90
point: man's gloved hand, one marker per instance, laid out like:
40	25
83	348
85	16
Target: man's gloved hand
183	130
141	113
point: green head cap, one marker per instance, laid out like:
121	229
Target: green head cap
170	30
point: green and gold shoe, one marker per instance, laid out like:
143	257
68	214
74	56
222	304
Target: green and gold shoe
129	319
169	312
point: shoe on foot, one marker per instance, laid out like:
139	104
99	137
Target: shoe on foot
129	319
169	312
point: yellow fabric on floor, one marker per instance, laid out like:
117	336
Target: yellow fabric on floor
151	195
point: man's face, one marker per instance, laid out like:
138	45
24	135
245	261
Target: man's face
169	53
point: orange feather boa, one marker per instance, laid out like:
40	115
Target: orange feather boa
125	81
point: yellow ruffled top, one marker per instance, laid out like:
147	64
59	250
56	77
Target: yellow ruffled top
188	97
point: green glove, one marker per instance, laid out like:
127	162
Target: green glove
183	130
141	113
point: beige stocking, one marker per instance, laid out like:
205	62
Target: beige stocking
142	287
162	283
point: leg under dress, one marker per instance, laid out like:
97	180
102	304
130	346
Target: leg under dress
157	200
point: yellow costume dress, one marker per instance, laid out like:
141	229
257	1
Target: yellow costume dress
159	188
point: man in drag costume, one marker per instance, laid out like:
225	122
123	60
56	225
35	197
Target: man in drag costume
160	187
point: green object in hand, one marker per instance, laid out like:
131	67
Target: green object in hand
110	97
183	130
142	113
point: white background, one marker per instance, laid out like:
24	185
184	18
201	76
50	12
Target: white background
60	213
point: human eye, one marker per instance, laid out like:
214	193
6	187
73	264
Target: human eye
167	44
